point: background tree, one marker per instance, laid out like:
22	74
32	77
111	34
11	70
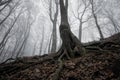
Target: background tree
92	2
80	15
15	29
54	22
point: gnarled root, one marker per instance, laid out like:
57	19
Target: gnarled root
55	76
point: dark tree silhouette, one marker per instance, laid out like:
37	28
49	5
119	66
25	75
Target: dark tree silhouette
71	44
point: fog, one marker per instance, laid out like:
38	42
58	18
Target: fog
33	30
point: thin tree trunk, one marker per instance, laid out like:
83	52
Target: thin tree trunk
96	20
80	31
41	44
54	38
54	31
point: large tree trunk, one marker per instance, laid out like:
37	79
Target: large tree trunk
71	43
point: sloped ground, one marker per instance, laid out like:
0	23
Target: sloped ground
96	65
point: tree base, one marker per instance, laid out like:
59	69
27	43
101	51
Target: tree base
71	46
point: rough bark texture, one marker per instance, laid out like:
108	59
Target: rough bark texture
71	44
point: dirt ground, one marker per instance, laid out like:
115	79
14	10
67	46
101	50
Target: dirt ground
95	65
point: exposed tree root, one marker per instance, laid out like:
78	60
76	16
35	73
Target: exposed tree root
16	68
71	45
63	53
55	76
10	59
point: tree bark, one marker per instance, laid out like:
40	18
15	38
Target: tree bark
71	43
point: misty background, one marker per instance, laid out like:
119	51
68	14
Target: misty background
31	27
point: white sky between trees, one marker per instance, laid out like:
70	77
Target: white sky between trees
40	10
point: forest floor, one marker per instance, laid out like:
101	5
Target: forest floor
97	64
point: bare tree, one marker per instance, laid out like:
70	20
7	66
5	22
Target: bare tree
3	2
71	44
53	18
113	21
49	45
34	48
3	42
10	24
42	40
96	19
80	15
10	11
